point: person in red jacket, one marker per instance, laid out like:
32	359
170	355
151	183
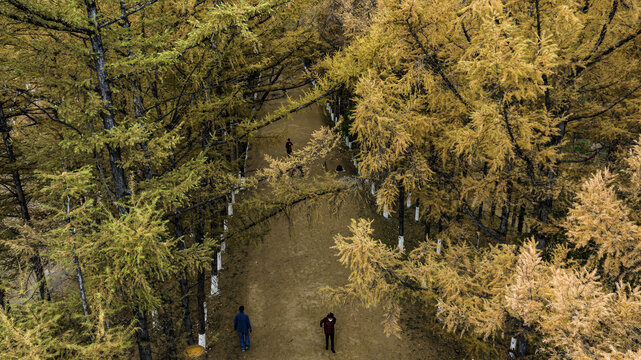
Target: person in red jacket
288	147
328	323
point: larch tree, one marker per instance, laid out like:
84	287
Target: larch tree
487	111
132	120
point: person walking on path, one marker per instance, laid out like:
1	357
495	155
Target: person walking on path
328	323
243	327
288	146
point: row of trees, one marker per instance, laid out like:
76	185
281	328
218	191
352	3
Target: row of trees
513	125
125	126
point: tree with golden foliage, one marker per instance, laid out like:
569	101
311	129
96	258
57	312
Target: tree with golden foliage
483	105
581	302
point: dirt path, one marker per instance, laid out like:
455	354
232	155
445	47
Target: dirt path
279	279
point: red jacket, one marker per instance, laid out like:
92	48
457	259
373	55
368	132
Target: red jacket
328	325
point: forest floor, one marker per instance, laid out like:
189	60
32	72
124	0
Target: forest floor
278	278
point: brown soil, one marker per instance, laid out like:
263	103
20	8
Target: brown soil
278	279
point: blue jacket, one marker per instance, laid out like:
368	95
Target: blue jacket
241	323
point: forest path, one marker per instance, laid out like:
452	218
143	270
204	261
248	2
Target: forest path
278	279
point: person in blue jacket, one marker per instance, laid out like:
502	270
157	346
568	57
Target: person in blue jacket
243	327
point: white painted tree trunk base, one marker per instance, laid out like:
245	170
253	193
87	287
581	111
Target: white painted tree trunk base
409	200
385	213
310	75
154	316
373	188
230	209
401	241
438	247
214	285
219	260
416	214
233	197
202	340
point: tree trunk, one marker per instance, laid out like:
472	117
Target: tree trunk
81	282
519	227
118	173
142	335
505	214
184	287
401	217
168	330
35	260
139	111
107	115
214	276
201	299
544	208
492	211
427	229
522	347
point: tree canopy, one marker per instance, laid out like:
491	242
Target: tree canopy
512	126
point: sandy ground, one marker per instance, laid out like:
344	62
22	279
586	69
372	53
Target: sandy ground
278	279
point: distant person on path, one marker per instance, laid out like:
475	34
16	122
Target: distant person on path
243	327
288	146
328	323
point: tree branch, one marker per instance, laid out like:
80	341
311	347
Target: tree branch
517	149
434	64
608	51
604	30
61	25
480	224
132	11
618	101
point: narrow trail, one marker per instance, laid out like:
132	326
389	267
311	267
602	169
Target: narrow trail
278	279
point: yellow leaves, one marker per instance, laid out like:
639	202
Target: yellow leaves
54	330
575	313
76	183
382	132
633	171
372	266
524	295
601	219
322	142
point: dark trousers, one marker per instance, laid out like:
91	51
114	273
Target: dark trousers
327	337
